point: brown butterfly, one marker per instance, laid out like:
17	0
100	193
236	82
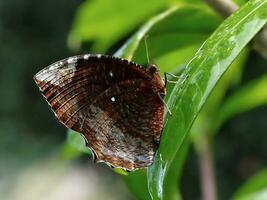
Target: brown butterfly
115	104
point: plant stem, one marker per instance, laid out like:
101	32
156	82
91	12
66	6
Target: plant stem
207	179
223	7
226	8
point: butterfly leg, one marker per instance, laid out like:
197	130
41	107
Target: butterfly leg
160	95
166	74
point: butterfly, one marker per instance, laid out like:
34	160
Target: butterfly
115	104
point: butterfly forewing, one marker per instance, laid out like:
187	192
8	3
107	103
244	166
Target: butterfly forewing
112	102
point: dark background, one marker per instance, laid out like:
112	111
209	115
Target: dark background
33	34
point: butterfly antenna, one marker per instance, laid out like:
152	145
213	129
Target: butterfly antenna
169	111
147	49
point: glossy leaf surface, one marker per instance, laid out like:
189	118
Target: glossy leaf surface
203	71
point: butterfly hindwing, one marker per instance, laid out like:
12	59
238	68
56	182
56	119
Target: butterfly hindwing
124	123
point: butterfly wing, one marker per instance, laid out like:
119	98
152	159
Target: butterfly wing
73	86
123	125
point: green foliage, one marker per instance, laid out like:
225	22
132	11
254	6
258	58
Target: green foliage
106	21
137	184
174	36
204	71
255	188
77	141
249	96
206	122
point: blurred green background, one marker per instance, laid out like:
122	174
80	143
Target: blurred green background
35	160
33	34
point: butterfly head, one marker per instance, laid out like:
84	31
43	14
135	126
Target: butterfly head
152	68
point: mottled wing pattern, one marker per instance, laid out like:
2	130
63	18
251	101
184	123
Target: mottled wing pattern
70	85
78	87
124	123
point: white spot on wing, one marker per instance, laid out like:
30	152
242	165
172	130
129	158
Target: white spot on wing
111	74
113	99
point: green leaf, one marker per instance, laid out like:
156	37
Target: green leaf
167	33
106	21
205	122
251	95
176	60
255	188
128	49
189	96
76	140
136	182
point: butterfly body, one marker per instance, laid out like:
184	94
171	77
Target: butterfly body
112	102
